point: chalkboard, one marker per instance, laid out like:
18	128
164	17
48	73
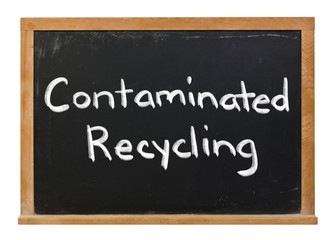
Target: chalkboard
167	122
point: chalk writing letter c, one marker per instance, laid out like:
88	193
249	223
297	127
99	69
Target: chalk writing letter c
47	96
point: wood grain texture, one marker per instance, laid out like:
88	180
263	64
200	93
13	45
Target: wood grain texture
169	219
167	23
29	25
27	158
308	122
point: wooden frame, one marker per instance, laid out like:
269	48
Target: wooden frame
29	25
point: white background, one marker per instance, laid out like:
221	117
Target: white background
10	13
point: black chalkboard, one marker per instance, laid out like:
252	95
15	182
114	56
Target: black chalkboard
212	63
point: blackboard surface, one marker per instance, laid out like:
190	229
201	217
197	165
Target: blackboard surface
67	181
